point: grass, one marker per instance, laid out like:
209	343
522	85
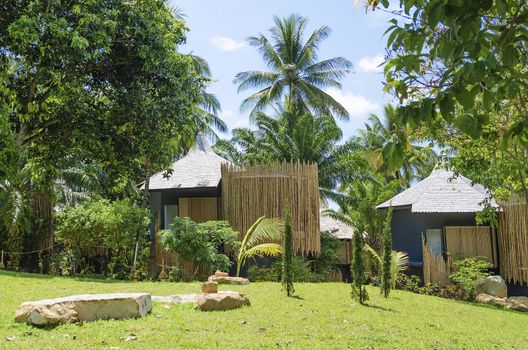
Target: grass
324	317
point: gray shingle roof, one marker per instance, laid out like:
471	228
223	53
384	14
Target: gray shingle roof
442	192
197	169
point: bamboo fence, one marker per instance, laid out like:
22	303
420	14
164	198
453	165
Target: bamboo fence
471	241
513	242
263	190
436	269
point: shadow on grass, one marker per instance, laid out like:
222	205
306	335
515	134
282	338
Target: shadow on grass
297	297
377	307
83	278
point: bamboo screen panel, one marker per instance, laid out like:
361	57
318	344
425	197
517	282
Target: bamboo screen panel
513	242
263	190
435	268
471	241
199	209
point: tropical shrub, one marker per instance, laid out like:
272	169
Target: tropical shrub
259	241
359	292
200	243
101	223
301	271
386	266
287	256
327	259
468	272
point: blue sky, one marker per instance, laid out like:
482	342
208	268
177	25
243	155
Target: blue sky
218	30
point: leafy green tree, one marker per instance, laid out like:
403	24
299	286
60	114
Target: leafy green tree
296	75
101	223
359	292
447	56
95	83
259	240
287	256
386	270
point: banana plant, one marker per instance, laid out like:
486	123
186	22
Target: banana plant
259	240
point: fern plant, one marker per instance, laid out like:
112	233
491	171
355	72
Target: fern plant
259	240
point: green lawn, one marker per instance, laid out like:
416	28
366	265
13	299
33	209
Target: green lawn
324	317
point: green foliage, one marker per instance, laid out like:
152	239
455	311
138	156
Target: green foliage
450	291
468	272
386	267
359	292
287	256
302	272
101	223
201	244
325	262
296	137
296	76
259	241
446	56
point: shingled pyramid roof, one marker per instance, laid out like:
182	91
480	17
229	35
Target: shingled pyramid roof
199	168
442	192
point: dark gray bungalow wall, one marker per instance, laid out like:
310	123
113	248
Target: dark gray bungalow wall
407	228
159	199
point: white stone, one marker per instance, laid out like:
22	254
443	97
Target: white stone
221	301
518	303
85	307
492	285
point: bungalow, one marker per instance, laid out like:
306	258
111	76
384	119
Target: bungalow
440	212
204	186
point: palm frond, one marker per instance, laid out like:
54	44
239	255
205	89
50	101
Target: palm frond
264	249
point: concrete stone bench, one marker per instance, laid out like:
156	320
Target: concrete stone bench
84	308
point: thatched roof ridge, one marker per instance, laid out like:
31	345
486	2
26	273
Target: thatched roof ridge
334	227
442	192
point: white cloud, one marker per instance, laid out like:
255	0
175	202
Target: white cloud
227	44
358	106
371	64
226	114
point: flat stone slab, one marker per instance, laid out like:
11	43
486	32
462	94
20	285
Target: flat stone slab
228	280
221	301
182	298
175	299
84	308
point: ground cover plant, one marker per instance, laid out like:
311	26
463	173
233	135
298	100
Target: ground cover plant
325	317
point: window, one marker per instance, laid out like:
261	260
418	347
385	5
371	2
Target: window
171	211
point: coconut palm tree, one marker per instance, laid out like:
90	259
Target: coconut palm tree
288	136
389	149
207	114
295	72
260	239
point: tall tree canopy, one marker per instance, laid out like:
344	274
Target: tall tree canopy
458	63
296	74
98	80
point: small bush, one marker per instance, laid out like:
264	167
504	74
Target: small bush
469	271
200	244
409	283
301	271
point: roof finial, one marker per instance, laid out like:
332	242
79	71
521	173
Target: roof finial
202	144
